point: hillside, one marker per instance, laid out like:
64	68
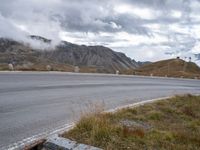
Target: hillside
62	57
140	63
170	68
91	56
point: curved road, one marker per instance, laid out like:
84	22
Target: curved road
35	102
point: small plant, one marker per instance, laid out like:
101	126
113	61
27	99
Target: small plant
188	111
127	131
167	124
155	115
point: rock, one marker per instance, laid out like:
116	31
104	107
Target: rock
136	124
76	69
59	143
48	67
117	72
10	66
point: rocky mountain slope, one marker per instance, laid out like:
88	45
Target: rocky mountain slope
140	63
101	59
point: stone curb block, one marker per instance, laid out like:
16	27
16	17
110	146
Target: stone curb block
59	143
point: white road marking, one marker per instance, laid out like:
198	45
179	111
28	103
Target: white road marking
21	144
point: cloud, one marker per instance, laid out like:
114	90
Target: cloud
151	27
7	29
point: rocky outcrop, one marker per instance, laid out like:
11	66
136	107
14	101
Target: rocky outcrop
91	56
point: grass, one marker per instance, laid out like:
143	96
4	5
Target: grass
54	67
170	68
4	67
168	124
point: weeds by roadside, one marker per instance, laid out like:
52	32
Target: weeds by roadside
168	124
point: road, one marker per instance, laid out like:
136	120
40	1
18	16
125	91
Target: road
32	103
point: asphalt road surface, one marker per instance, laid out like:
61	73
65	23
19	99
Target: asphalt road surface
33	103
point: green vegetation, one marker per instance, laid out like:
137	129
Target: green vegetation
168	124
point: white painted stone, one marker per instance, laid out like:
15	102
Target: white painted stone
10	67
76	69
48	67
117	72
59	143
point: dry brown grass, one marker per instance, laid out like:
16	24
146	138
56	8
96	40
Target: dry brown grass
4	67
171	68
169	124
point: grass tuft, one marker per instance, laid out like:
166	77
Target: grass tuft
168	124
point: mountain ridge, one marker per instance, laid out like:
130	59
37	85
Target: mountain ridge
102	58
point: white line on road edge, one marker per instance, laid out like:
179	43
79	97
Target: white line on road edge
28	141
142	103
23	143
136	104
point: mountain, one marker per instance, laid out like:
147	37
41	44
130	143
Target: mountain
65	54
171	68
142	63
39	38
91	56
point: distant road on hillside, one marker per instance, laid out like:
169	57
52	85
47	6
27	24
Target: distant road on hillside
35	102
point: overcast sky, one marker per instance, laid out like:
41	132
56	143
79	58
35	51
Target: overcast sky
146	30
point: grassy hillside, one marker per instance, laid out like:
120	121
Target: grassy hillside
170	68
54	67
172	124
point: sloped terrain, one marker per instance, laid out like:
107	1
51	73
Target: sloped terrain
170	68
91	58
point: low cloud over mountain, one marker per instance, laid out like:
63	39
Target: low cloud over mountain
65	54
146	30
